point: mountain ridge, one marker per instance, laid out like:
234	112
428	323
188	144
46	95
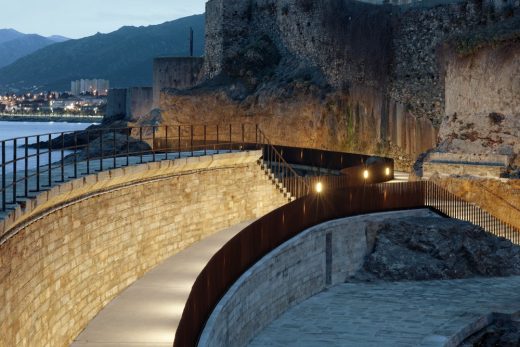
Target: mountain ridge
124	57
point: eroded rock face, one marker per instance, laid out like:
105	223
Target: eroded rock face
483	102
436	248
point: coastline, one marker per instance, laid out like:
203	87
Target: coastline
50	118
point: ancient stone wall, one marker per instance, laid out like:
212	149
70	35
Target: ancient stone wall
174	72
139	102
74	252
116	104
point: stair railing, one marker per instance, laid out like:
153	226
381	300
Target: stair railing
282	171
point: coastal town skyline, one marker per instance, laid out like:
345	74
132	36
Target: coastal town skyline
76	20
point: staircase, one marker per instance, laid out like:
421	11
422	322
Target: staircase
275	181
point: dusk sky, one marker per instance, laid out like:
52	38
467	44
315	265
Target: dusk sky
77	19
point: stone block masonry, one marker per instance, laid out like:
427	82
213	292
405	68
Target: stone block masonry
177	73
75	252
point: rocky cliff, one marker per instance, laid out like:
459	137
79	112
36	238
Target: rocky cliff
483	100
340	75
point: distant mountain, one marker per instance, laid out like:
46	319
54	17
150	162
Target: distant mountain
11	51
15	45
124	57
58	38
9	34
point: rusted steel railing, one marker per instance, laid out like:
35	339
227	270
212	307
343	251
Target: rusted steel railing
270	231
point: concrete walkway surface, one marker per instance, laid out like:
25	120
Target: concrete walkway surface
148	312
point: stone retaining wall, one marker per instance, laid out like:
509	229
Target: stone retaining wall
320	257
74	252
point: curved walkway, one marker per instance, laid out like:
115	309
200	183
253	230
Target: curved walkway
147	312
422	313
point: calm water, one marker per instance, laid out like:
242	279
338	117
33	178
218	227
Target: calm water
10	130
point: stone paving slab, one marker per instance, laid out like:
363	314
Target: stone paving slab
421	313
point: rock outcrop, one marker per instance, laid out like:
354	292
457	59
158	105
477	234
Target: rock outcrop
341	75
436	248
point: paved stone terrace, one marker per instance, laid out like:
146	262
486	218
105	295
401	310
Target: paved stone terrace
391	314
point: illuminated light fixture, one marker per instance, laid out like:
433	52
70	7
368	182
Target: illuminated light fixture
387	171
365	174
319	187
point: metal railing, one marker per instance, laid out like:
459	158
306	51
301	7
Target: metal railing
32	164
273	229
291	181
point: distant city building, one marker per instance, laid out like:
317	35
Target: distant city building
94	86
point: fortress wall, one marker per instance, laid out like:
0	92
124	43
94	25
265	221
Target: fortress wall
139	102
64	265
116	104
352	76
322	256
176	73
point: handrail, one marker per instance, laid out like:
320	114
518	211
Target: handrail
283	171
273	229
60	156
36	162
495	195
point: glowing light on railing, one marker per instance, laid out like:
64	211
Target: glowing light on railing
366	174
319	187
387	171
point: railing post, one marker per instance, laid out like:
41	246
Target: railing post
179	141
38	163
88	152
218	144
140	140
114	148
75	154
102	155
256	135
230	138
3	176
153	143
128	146
205	150
167	146
14	169
62	157
191	139
26	178
243	136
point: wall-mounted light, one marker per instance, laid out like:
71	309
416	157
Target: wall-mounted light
319	187
387	171
365	174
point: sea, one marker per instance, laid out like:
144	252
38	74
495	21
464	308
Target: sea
11	130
